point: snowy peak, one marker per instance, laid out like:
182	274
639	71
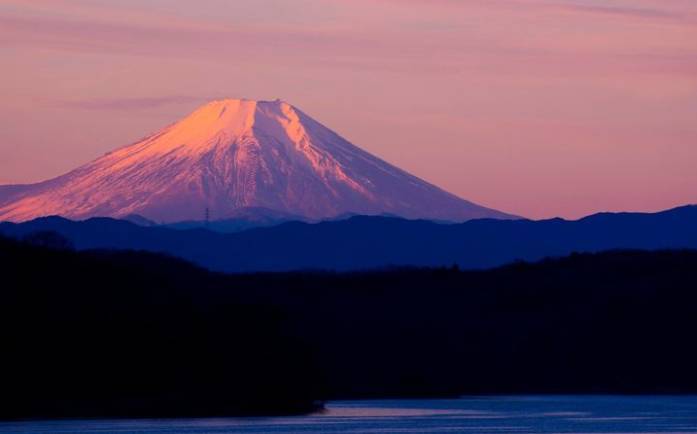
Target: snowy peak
232	118
233	154
227	119
235	118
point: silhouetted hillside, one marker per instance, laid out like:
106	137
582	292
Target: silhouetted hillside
135	334
128	333
376	242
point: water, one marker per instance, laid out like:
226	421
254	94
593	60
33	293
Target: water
526	414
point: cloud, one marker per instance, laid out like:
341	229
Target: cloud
133	103
660	10
632	12
477	32
168	38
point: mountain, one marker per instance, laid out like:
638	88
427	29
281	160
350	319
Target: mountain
139	220
365	242
233	154
239	220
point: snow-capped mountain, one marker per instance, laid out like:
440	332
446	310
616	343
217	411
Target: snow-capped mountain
234	154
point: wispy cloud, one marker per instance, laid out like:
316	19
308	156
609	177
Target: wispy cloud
363	43
166	39
660	10
631	12
133	103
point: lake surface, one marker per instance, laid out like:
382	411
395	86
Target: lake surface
521	414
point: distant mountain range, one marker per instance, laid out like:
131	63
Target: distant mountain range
231	155
239	220
366	242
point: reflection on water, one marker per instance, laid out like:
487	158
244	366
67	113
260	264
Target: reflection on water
527	414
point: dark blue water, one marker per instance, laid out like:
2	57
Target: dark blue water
526	414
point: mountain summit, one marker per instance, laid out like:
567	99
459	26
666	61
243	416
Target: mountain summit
233	154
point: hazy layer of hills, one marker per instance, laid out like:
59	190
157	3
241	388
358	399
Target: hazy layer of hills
362	242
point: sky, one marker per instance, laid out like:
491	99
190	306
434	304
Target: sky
540	108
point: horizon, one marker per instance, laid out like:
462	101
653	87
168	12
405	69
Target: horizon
551	109
338	218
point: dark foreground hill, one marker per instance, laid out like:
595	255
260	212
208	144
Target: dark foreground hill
106	333
376	242
133	334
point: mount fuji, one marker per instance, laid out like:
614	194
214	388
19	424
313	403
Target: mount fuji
231	155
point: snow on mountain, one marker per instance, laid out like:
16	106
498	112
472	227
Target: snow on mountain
234	154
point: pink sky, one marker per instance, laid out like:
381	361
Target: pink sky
536	107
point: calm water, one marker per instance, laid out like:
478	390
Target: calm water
530	414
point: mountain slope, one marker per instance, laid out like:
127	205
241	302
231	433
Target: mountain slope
234	154
374	242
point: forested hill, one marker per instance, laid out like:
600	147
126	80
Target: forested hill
118	333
